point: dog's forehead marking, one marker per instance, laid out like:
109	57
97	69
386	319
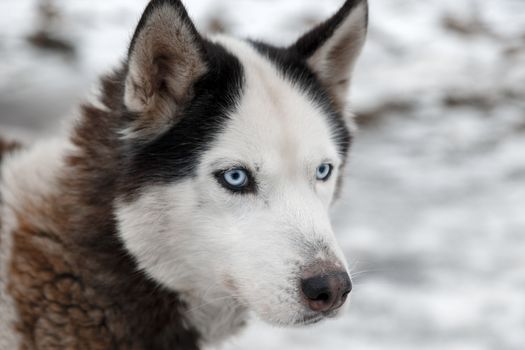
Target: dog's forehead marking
275	113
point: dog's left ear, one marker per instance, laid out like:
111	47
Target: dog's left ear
165	59
331	49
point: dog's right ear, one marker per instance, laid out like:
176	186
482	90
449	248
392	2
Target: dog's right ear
165	59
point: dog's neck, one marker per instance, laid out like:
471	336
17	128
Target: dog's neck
216	317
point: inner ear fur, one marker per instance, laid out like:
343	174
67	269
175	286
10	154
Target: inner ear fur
332	48
166	58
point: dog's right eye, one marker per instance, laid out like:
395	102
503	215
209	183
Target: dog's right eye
236	180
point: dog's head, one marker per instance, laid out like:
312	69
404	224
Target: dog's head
235	154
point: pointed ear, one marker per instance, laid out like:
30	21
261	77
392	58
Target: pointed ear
332	48
165	59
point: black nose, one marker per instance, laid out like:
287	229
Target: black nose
326	292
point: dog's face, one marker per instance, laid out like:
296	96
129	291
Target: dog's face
236	150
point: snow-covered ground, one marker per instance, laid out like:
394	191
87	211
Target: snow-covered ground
433	217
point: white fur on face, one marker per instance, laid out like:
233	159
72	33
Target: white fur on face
237	251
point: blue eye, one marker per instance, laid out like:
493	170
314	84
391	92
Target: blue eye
324	171
236	180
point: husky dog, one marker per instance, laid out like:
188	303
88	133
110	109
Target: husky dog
194	191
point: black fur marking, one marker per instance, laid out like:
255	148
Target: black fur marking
175	155
294	67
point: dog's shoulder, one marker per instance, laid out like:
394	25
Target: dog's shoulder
6	147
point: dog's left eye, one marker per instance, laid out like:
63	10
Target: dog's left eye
324	171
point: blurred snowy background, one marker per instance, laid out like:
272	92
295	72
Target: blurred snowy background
433	217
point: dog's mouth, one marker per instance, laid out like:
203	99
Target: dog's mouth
314	318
